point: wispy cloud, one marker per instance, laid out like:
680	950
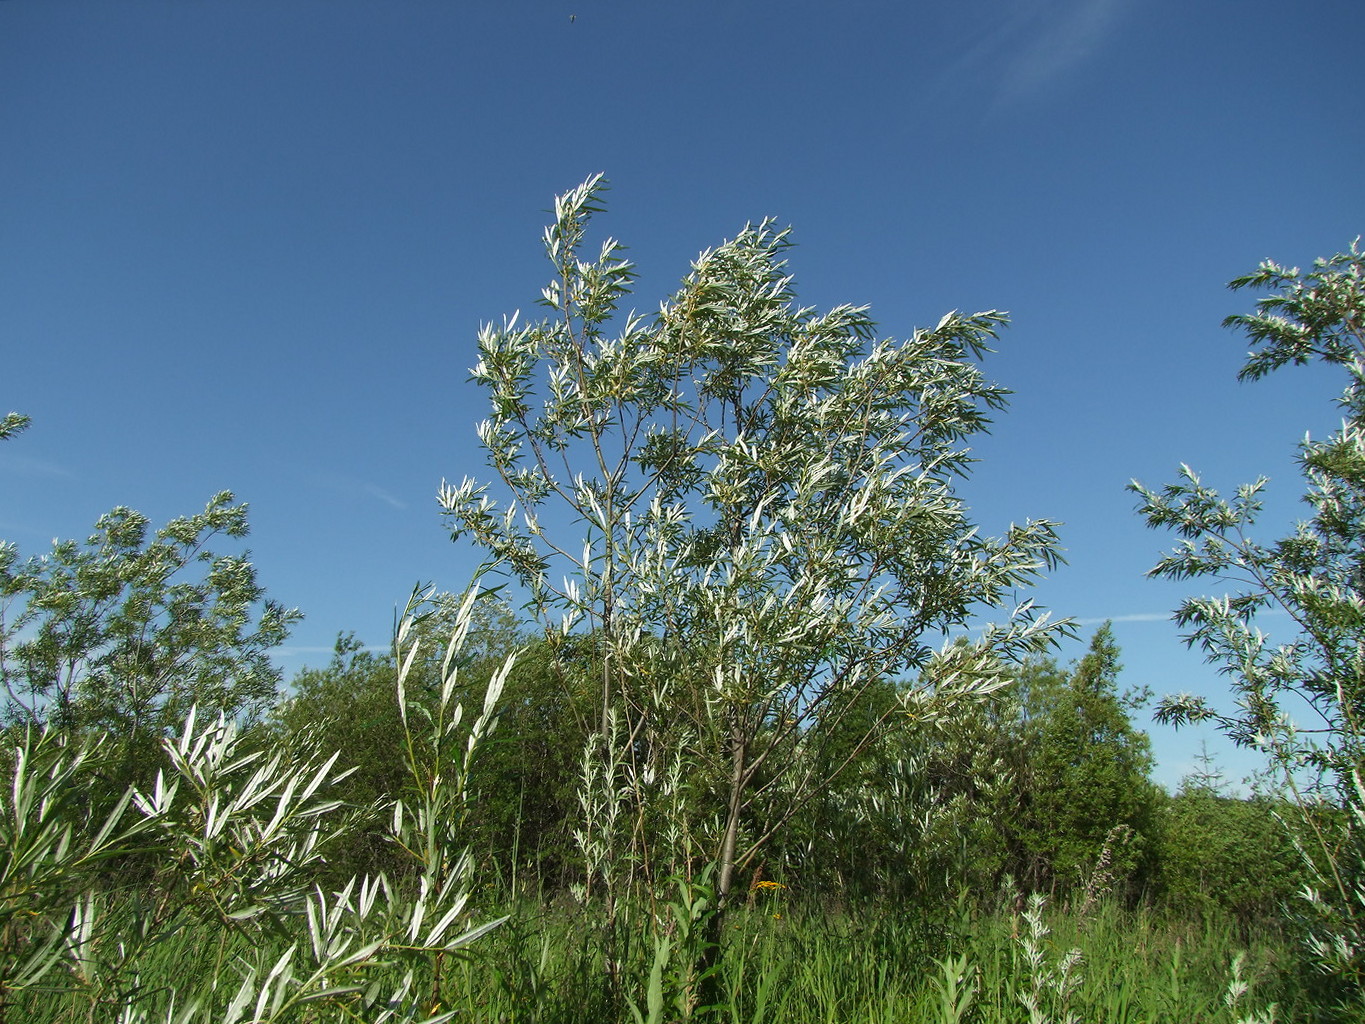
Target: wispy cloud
1063	35
9	529
1095	620
1154	617
1031	44
299	650
359	488
24	465
384	496
1136	617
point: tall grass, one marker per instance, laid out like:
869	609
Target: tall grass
224	935
222	922
807	963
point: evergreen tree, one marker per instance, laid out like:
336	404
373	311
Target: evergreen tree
1086	801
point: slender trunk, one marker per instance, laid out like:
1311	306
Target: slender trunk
708	960
730	840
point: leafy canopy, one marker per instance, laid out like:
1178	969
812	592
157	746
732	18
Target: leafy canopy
763	509
130	630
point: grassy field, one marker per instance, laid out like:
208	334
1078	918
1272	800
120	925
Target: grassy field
783	961
196	899
780	960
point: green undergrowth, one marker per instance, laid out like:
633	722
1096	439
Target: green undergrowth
785	960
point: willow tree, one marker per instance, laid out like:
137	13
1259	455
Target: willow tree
1301	700
746	510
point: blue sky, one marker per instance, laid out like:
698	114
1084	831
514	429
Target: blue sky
248	245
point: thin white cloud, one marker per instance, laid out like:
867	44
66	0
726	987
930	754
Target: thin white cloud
295	650
1030	44
25	465
1154	617
1063	36
1137	617
8	529
362	488
384	496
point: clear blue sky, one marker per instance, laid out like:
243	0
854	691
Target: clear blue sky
247	244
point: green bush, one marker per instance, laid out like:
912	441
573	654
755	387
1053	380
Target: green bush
1227	854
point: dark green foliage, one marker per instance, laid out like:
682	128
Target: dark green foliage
1082	777
525	780
925	813
1044	783
1226	854
350	706
522	784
